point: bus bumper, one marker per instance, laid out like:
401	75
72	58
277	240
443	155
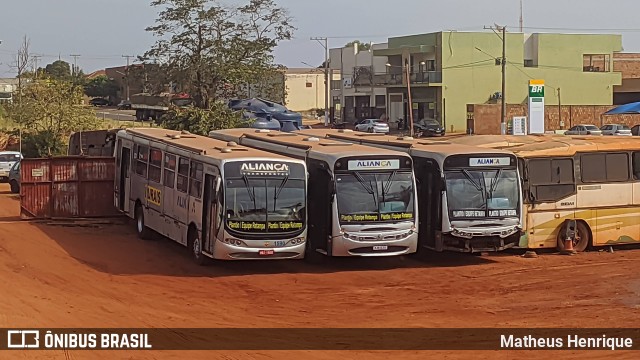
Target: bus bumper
225	251
477	244
348	244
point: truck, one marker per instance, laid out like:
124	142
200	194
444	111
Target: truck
151	107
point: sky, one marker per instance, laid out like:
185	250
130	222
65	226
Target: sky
102	31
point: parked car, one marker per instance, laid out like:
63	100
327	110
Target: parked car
124	105
428	127
616	130
635	130
584	130
373	126
14	178
7	160
99	102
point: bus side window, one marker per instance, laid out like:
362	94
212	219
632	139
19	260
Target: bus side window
195	179
169	170
183	175
636	165
142	159
155	165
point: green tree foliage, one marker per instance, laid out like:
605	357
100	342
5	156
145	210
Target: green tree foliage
361	46
48	112
101	86
58	70
201	121
212	49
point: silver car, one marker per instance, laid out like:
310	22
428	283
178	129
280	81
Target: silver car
373	126
584	130
616	130
7	159
14	178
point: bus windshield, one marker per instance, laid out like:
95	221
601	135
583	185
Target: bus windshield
482	193
275	205
373	197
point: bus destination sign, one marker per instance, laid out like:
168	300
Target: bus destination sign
264	169
391	164
490	161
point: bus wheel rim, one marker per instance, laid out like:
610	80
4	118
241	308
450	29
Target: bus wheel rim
196	247
140	225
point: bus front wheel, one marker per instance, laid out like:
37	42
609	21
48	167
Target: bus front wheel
582	239
194	245
141	228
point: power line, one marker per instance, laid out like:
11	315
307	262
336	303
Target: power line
75	63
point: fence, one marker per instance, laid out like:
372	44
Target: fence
67	187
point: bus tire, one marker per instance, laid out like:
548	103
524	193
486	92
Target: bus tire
15	188
311	255
141	228
583	237
194	245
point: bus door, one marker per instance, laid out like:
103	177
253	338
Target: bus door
209	212
124	185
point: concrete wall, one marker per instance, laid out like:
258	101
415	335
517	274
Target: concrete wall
487	117
305	91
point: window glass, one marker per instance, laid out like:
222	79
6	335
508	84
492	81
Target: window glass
195	179
636	165
183	167
604	167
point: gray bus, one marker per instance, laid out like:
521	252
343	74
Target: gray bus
362	199
221	200
470	197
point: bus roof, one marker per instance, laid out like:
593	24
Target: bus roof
439	148
313	144
553	145
202	145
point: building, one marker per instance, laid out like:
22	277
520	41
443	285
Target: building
450	70
628	64
354	94
7	87
305	89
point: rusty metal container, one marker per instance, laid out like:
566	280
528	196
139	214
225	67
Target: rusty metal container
67	187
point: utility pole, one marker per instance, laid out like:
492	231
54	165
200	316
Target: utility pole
36	58
503	128
559	110
503	64
75	64
327	92
521	18
406	66
126	71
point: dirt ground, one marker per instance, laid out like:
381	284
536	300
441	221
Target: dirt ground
55	276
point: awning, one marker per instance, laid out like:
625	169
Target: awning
632	108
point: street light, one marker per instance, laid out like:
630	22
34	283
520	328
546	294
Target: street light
410	105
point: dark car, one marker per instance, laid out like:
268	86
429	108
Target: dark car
262	108
124	105
635	130
99	102
428	127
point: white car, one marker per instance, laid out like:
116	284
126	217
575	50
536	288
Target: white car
7	159
616	130
373	126
584	130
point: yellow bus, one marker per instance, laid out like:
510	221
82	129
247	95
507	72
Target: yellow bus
594	180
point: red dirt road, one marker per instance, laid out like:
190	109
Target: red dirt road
54	276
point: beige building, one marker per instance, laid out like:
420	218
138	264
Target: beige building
305	88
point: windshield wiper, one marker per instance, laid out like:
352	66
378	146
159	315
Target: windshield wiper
367	187
494	183
276	193
252	195
478	187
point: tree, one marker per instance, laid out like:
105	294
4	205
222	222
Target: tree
49	112
101	86
361	46
201	121
213	49
23	60
59	70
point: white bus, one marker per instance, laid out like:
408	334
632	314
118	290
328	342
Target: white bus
469	197
362	199
593	181
221	200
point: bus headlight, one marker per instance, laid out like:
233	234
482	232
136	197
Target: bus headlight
296	241
234	242
350	237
